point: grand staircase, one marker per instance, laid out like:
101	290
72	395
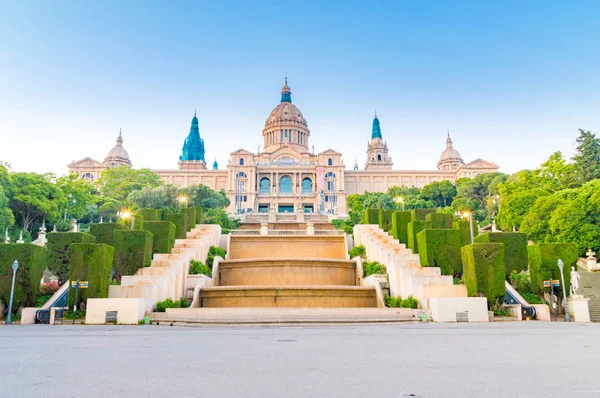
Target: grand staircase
590	288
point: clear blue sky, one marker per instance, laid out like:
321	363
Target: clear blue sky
512	80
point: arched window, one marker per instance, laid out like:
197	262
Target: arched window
87	176
241	174
241	161
379	158
285	185
330	162
330	175
265	186
307	185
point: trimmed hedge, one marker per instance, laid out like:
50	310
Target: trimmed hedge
180	221
32	262
441	248
385	219
371	216
465	232
199	214
400	220
191	217
440	221
93	263
148	214
515	249
420	214
414	227
104	232
543	263
59	251
164	235
483	271
133	250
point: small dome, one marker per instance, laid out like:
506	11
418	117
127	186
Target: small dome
450	153
117	156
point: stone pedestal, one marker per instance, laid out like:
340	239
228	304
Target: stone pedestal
272	215
578	308
310	228
264	228
73	225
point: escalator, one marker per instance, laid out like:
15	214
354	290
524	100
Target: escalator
513	297
60	299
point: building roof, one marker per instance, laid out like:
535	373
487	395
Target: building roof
450	153
376	131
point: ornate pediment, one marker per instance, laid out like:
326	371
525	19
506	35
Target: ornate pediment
479	164
330	152
86	162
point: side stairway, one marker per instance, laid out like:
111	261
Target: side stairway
590	288
435	292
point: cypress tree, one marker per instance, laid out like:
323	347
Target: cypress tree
587	159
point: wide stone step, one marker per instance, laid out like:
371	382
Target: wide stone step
269	315
288	296
286	272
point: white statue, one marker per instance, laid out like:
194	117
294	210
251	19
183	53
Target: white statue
574	281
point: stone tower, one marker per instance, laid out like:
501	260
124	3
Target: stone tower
117	156
377	151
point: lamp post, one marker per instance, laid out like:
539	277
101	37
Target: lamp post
561	266
399	199
183	200
125	214
469	216
69	206
15	267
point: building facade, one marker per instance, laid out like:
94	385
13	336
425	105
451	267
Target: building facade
288	175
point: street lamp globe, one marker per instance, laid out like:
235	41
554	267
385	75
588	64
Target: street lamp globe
560	264
15	266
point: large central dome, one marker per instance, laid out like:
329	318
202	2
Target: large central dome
286	126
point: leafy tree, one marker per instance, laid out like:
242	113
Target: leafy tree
108	211
7	219
84	196
587	159
118	182
515	206
164	196
440	192
34	197
201	195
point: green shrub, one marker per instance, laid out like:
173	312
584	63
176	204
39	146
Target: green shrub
161	306
213	252
199	212
543	260
59	251
32	262
440	221
191	217
148	214
358	251
373	267
398	302
133	250
465	231
164	235
515	248
384	219
440	248
104	232
198	268
420	214
371	216
400	220
414	227
92	263
483	271
348	229
180	221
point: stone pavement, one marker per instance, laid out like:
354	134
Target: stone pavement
528	359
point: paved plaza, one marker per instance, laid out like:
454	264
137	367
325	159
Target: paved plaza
393	360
